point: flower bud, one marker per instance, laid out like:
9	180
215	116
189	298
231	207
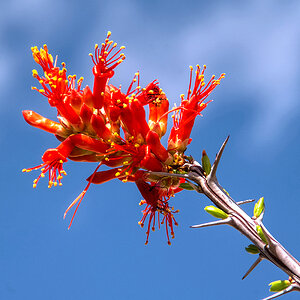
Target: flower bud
216	212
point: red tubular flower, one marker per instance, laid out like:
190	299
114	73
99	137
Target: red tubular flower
103	68
158	108
36	120
156	201
189	109
112	128
157	148
59	90
53	164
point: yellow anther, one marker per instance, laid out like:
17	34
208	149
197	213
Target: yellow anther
34	72
34	185
119	61
125	180
60	184
203	83
105	52
191	68
35	181
124	105
181	96
96	46
117	174
24	170
59	177
106	158
136	145
42	175
114	45
122	47
55	183
118	101
41	90
108	33
126	173
125	162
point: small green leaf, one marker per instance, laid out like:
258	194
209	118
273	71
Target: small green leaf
259	207
216	212
261	234
279	285
205	163
186	186
252	249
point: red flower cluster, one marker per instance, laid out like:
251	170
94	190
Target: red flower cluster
109	126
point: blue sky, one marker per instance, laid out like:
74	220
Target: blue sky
103	256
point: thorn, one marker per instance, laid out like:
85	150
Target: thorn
245	201
226	221
285	291
212	175
259	259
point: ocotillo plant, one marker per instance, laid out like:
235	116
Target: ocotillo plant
108	126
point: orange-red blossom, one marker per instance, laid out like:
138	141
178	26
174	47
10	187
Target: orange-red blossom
109	126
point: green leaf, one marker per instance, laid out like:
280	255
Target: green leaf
259	207
252	249
216	212
186	186
261	234
279	285
205	163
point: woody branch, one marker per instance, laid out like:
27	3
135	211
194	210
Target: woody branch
267	246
